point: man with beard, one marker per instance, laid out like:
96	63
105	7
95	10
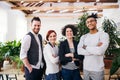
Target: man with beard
32	52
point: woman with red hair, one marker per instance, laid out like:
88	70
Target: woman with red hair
51	56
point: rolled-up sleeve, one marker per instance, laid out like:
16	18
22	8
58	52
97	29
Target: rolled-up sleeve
25	46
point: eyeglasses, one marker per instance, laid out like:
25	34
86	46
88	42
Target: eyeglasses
87	22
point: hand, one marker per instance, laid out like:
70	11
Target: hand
99	44
69	55
84	46
29	68
54	55
74	59
27	64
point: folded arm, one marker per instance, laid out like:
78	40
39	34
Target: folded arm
80	49
101	47
49	52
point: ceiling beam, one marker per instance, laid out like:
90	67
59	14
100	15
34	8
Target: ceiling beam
64	0
67	11
87	0
67	7
60	16
43	0
99	0
108	1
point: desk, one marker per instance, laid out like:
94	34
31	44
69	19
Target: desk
9	72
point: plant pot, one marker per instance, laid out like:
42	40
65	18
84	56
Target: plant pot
6	64
1	65
0	68
14	65
22	68
108	63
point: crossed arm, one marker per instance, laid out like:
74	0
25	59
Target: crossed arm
99	49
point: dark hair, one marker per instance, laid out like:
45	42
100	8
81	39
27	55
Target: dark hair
48	34
74	29
93	16
35	19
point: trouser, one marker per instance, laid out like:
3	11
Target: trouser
36	74
93	75
71	74
55	76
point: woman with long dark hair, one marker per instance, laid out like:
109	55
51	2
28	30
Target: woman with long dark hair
68	55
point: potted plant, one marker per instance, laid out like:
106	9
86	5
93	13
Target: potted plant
17	63
1	62
13	48
113	51
81	30
1	56
81	26
110	27
10	50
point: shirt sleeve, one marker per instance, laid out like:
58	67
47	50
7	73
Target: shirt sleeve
25	46
48	52
100	50
80	50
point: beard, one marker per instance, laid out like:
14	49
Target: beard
36	31
93	28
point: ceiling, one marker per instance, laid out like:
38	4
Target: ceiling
31	7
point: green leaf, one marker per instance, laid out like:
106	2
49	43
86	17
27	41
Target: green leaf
114	67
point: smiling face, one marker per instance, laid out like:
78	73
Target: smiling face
36	26
91	23
69	33
52	37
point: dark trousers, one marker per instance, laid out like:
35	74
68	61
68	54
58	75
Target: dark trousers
36	74
55	76
71	74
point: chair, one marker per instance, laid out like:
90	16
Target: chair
8	77
1	76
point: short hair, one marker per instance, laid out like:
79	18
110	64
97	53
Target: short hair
35	19
48	34
72	27
92	16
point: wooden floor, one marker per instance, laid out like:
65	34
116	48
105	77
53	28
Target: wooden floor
21	76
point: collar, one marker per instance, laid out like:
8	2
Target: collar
34	33
51	44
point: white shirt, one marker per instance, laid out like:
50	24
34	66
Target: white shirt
94	54
51	62
25	48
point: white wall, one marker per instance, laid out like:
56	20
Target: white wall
3	25
113	14
57	23
54	23
13	24
17	25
